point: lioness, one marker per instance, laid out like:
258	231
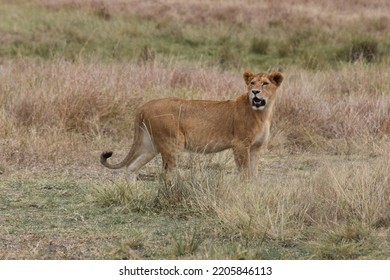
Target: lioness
170	125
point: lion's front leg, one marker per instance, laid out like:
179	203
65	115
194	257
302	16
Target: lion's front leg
254	161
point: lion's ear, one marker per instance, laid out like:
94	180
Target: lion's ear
276	78
248	75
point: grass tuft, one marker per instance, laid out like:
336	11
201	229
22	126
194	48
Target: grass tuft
187	244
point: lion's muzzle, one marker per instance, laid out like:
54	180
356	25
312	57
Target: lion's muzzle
258	102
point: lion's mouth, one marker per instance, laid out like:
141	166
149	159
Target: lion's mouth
258	103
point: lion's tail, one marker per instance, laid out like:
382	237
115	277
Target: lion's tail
129	157
105	155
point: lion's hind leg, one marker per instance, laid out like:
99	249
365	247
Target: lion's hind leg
169	164
136	164
144	151
169	152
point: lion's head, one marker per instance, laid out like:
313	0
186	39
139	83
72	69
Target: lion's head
262	88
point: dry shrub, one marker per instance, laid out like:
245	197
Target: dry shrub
253	210
351	103
358	191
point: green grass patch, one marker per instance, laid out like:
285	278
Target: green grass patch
360	47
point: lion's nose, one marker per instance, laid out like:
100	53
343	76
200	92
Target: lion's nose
255	91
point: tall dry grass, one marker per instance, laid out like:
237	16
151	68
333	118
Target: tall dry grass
84	97
350	104
338	202
48	106
53	112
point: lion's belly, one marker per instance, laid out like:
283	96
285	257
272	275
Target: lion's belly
200	126
211	142
206	134
206	147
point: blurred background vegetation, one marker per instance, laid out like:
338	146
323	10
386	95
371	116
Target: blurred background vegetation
312	36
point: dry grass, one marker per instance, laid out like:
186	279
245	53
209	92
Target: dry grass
351	103
51	111
332	207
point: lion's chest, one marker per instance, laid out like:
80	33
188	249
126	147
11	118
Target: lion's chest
262	135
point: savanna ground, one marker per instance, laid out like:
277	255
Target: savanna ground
72	74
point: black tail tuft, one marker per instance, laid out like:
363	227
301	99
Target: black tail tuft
105	155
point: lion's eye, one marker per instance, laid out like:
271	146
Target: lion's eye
265	84
253	83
